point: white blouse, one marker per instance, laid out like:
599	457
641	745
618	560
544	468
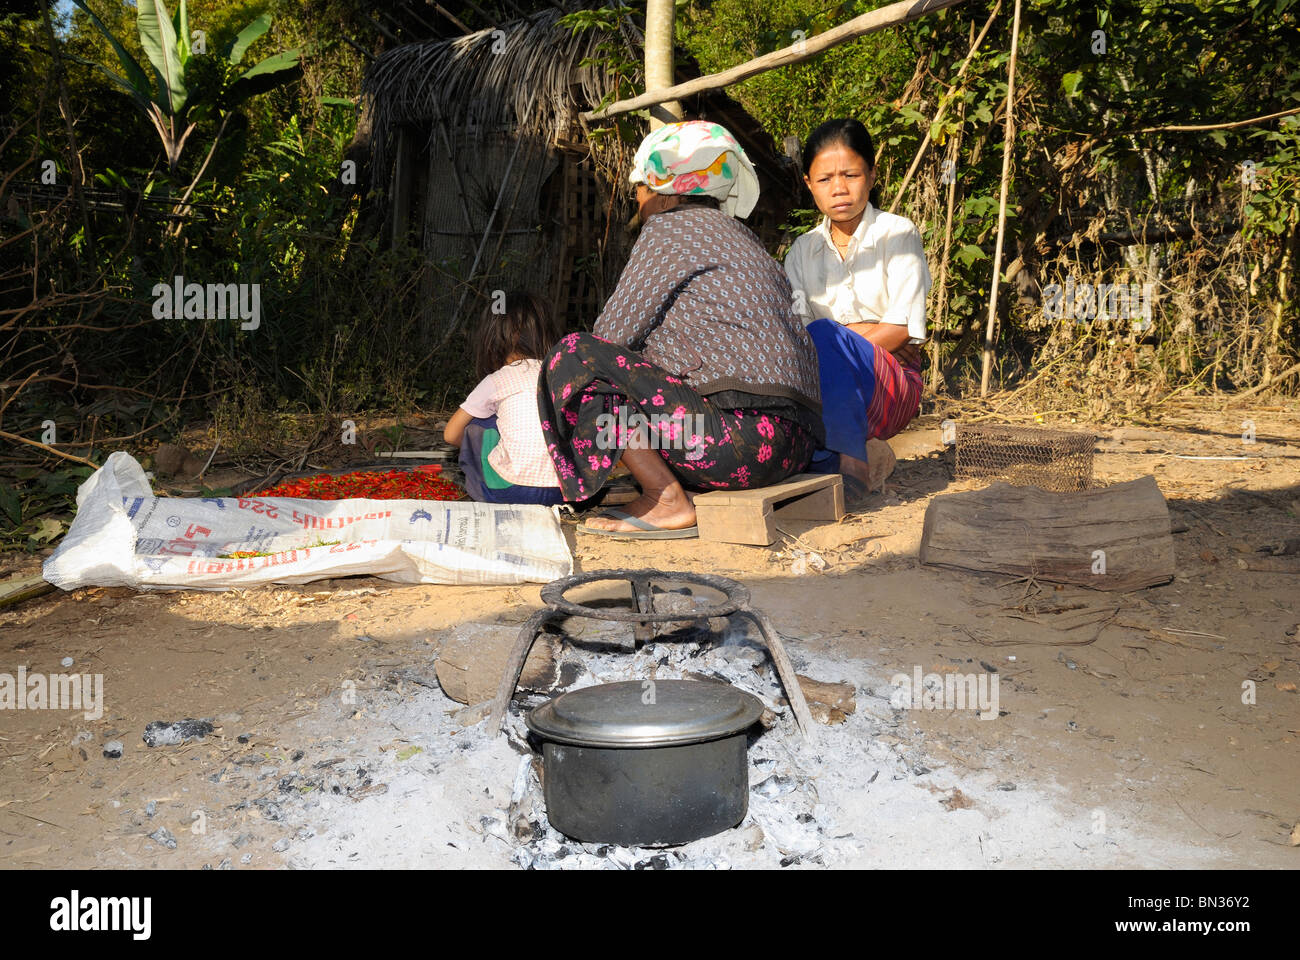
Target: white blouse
883	277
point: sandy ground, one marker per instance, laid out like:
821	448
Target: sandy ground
1127	745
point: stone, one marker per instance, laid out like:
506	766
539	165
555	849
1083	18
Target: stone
473	658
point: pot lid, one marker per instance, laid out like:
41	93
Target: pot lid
617	714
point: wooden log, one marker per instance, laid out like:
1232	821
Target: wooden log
829	703
1113	538
841	695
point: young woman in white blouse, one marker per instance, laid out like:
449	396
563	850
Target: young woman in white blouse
860	280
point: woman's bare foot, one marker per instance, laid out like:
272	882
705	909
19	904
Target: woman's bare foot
667	509
858	469
663	501
881	461
875	470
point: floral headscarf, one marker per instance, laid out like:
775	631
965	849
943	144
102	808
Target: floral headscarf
697	157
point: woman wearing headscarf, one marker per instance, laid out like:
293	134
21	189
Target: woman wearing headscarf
697	375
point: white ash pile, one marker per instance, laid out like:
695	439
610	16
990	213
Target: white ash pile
793	786
454	795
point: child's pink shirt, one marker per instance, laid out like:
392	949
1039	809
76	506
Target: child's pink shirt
510	394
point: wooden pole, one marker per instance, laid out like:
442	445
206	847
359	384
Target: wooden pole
892	15
659	59
943	106
942	306
1008	147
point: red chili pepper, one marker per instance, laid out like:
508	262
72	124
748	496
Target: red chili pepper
421	483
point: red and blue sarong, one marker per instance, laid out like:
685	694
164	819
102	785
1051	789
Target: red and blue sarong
866	392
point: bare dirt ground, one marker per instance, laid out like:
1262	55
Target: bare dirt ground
1128	743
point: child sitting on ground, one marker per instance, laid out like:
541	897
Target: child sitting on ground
497	428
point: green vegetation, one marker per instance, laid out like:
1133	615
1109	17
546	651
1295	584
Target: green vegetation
1092	79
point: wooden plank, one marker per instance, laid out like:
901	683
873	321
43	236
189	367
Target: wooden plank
736	523
798	484
750	516
825	504
1113	538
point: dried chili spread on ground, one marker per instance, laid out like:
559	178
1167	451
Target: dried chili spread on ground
422	483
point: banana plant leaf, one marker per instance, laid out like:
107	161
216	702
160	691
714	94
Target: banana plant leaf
158	37
136	80
235	49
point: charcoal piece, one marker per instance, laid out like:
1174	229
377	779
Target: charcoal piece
570	671
161	733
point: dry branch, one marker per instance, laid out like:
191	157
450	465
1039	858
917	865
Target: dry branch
1215	126
1288	372
943	106
47	449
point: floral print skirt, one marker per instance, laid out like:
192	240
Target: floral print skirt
596	398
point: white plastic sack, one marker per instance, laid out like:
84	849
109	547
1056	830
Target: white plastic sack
125	536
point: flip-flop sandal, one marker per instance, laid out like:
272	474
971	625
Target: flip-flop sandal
644	531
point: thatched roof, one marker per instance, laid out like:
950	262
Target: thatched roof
524	76
533	87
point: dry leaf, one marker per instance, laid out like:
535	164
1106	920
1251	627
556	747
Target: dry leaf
1295	835
1286	687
